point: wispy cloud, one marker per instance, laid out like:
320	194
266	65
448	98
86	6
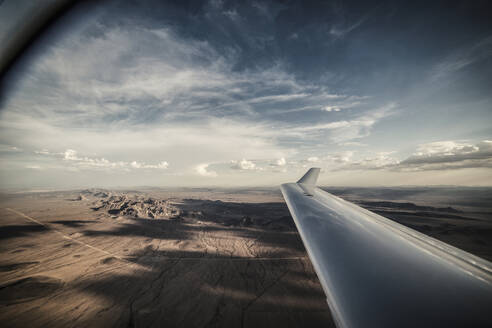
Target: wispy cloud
342	27
356	128
340	31
174	95
74	160
462	58
157	97
9	149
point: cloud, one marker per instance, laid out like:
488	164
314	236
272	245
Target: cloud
87	162
43	152
352	143
33	167
331	109
446	155
442	155
462	58
202	169
243	165
9	149
445	148
170	78
216	3
232	15
352	161
294	36
377	161
339	31
278	98
162	165
317	100
155	92
345	130
281	162
127	97
343	157
71	157
92	163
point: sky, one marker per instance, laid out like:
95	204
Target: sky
253	93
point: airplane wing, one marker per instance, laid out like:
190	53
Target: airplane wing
378	273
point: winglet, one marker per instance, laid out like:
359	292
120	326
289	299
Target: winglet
310	177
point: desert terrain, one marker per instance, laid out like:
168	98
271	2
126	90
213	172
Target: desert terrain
191	257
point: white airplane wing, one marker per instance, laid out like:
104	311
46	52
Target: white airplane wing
378	273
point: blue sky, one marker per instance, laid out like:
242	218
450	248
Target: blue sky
227	93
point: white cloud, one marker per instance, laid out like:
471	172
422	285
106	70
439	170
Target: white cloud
353	143
445	148
441	155
243	165
331	109
202	169
138	165
281	162
95	163
71	157
447	155
33	167
377	161
278	98
8	148
350	161
341	157
346	130
42	152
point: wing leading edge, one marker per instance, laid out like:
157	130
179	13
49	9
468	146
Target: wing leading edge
378	273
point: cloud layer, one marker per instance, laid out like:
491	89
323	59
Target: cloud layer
238	93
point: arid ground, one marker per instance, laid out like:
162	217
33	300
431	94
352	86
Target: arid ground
191	257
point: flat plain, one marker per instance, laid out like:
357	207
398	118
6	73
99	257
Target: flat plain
191	257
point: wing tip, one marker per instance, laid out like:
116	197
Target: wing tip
310	177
